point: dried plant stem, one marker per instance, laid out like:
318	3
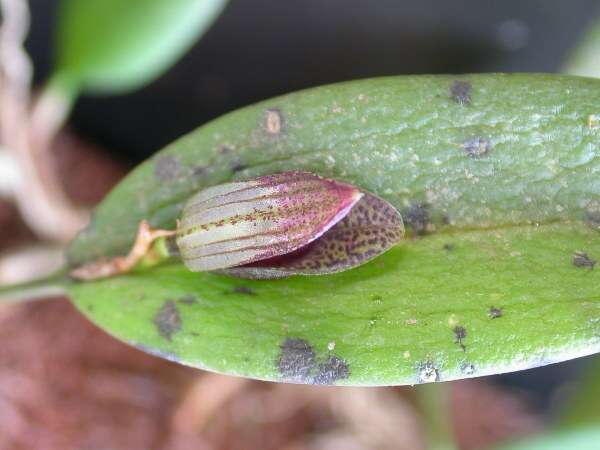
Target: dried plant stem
9	174
15	77
27	133
104	268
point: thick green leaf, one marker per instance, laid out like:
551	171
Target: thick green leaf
447	306
116	45
496	178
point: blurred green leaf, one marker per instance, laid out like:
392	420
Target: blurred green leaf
115	46
584	407
584	60
577	439
496	178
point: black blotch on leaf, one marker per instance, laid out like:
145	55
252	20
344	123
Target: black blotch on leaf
477	147
243	290
593	218
460	92
494	312
172	247
224	149
167	320
427	372
332	370
449	247
417	217
236	166
296	361
187	300
167	168
467	368
581	259
199	171
460	334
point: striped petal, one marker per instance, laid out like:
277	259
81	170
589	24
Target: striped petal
372	227
244	222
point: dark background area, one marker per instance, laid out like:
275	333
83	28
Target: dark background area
262	48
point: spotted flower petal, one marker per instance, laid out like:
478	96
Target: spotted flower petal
371	228
240	223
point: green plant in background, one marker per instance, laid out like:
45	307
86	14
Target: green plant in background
101	47
584	60
111	46
578	426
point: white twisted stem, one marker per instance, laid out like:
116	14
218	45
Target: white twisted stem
27	133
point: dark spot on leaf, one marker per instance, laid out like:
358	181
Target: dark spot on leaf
592	217
236	165
460	92
224	149
167	319
273	122
427	372
467	368
332	370
199	171
581	259
90	308
449	247
296	361
417	217
243	290
172	247
460	334
477	147
187	300
494	312
167	168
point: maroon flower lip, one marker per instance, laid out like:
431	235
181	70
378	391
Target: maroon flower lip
285	224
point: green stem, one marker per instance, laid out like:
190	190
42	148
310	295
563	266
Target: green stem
63	87
434	402
43	288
